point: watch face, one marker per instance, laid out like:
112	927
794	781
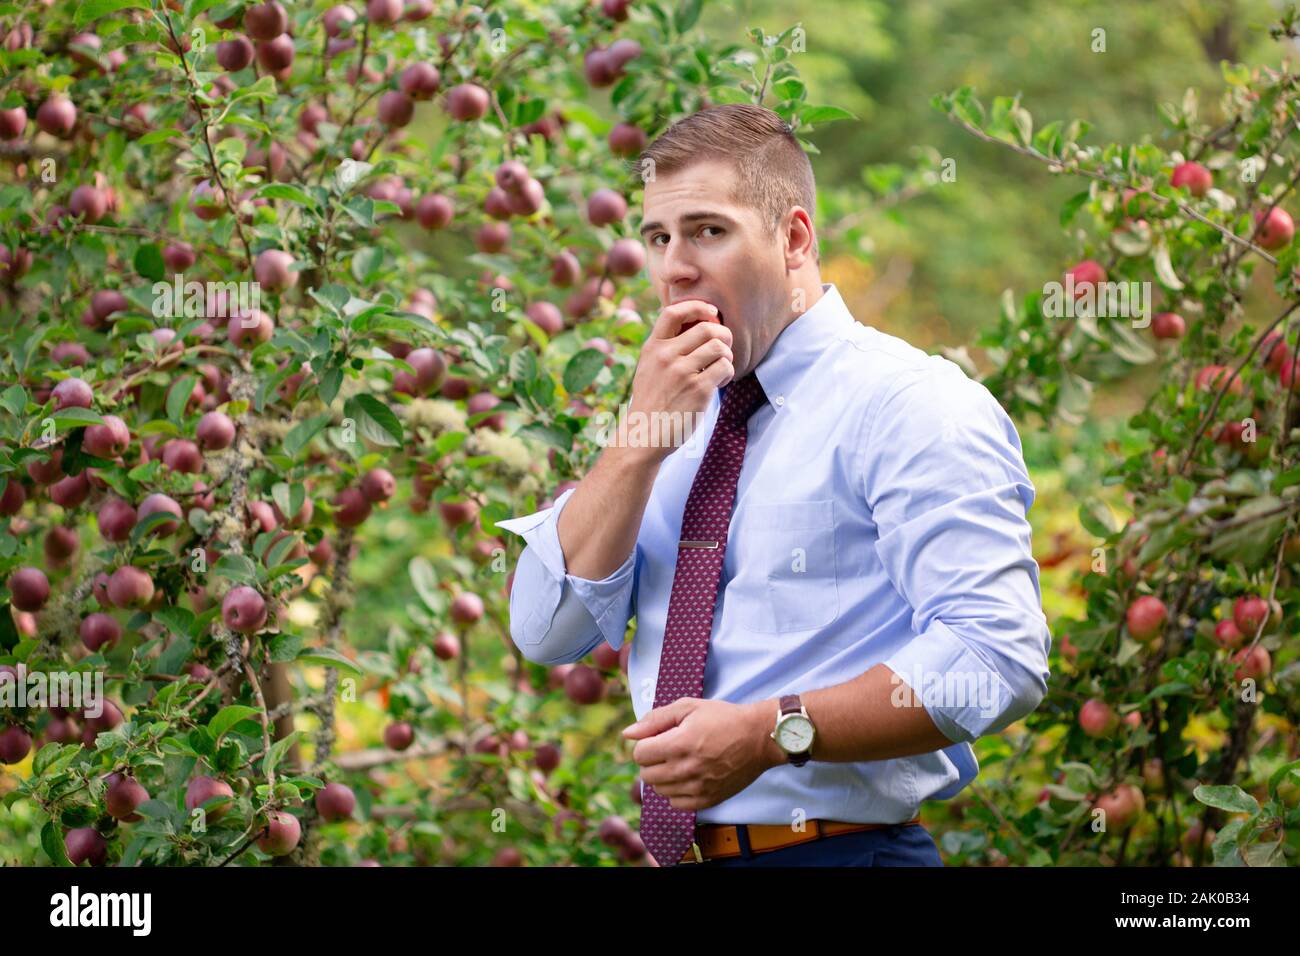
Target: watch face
795	734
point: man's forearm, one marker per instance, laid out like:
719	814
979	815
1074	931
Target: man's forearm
857	720
599	524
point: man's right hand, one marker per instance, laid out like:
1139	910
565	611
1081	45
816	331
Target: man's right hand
677	374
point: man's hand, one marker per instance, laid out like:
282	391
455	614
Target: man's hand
697	753
678	372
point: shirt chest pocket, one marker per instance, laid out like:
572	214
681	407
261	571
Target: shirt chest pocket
788	555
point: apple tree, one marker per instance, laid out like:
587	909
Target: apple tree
283	286
1169	735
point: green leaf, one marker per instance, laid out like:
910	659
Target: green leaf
366	264
1230	798
52	844
302	433
277	752
285	647
178	620
70	418
333	297
149	523
815	115
375	420
237	567
1165	269
553	435
178	397
329	658
330	382
1252	541
1072	206
791	88
1097	518
1128	345
44	757
149	262
160	136
523	365
582	369
94	9
14	400
288	192
687	12
227	717
425	581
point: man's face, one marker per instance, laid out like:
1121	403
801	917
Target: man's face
701	246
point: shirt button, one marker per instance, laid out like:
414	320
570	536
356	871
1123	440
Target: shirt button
780	400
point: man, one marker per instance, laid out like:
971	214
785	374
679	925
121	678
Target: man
838	595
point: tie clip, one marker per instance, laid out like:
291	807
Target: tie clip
710	545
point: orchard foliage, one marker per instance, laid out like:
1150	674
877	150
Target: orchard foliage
430	202
1173	706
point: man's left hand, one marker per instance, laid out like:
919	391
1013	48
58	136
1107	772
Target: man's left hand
697	753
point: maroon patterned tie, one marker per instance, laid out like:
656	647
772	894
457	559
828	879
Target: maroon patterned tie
668	832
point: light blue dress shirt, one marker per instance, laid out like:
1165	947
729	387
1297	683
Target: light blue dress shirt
880	516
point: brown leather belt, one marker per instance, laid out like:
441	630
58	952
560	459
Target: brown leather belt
718	841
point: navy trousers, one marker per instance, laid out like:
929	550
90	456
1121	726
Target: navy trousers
893	846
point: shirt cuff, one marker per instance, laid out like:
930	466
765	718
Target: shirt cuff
606	600
964	696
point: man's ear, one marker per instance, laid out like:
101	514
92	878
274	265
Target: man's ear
799	235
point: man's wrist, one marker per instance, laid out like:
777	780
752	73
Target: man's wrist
763	717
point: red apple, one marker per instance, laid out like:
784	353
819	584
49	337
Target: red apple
273	269
203	789
467	101
281	835
1227	634
1249	613
244	610
130	587
1088	272
419	81
85	845
29	589
98	630
605	207
335	802
395	109
399	735
1146	618
123	796
1097	718
235	54
265	21
57	116
1274	230
1194	176
1252	662
1168	325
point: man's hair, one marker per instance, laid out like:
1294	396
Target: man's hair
773	171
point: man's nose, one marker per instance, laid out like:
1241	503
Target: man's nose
678	263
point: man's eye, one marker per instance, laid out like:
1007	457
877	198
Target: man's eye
654	240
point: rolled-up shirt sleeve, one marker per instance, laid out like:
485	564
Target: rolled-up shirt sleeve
945	478
557	617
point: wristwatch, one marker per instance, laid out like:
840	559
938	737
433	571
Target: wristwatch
794	730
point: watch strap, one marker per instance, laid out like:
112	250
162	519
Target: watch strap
791	704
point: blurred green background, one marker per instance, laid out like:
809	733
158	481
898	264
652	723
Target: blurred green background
938	267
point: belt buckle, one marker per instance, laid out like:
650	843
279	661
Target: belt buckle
699	857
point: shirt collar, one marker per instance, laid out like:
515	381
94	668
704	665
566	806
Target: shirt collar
801	343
